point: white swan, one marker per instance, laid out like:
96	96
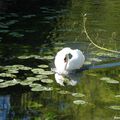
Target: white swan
68	60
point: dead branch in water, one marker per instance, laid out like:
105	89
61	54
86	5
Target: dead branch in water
88	37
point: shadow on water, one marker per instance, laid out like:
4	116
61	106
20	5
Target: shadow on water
32	32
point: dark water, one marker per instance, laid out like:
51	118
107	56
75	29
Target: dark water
31	33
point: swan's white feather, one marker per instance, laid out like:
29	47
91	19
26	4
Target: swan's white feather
75	62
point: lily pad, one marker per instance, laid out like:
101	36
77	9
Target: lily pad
37	70
11	82
17	67
16	34
79	102
109	80
7	75
23	57
95	59
41	76
42	88
63	92
2	25
1	80
12	71
11	22
78	95
48	57
47	80
4	31
35	85
3	85
26	82
87	62
32	79
115	107
117	96
29	56
46	73
28	16
43	66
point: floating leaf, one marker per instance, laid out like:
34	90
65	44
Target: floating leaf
35	85
109	80
115	107
25	82
42	88
41	76
43	66
46	73
25	68
1	18
1	80
29	81
78	95
79	102
3	85
23	57
4	31
48	57
106	54
7	75
47	80
2	25
87	62
95	59
28	16
63	92
117	96
37	70
12	71
16	67
16	34
29	56
11	82
11	22
116	117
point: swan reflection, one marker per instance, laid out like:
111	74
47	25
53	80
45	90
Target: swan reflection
70	79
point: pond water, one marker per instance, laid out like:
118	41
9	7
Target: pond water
29	41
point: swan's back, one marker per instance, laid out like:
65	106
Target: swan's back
76	61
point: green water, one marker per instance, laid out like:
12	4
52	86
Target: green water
29	41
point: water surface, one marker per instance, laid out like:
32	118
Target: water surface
28	43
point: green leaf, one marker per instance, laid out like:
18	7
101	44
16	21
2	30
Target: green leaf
37	70
43	66
47	80
109	80
41	88
78	95
79	102
115	107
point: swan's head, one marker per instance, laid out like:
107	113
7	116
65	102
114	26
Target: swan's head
68	59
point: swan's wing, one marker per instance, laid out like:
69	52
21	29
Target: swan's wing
76	61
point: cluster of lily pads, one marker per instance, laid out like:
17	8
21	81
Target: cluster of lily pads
9	77
38	81
35	57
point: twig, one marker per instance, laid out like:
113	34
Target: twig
88	37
